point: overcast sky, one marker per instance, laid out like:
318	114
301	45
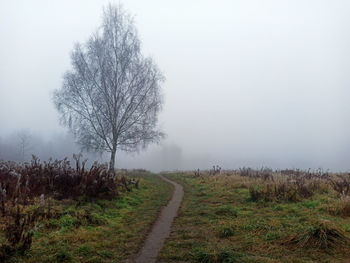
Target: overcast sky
247	82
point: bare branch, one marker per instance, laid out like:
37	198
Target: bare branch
111	98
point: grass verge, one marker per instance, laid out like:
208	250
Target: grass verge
219	222
99	231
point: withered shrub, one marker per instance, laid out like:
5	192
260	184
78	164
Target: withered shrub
27	191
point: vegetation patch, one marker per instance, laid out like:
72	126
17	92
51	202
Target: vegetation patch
341	208
229	226
226	232
226	211
220	256
43	227
323	235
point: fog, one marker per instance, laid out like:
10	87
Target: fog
248	83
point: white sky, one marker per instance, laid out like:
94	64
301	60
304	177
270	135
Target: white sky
247	82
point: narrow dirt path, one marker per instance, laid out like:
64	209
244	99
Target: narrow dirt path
161	228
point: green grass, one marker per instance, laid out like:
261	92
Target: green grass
218	222
100	231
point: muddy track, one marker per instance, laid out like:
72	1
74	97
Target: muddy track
161	228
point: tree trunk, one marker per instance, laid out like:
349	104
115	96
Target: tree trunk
112	162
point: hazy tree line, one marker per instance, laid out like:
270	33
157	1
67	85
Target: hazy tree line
20	145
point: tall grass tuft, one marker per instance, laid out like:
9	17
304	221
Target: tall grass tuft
323	235
342	208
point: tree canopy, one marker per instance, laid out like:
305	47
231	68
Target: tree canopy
111	97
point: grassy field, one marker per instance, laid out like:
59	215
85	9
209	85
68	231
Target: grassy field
99	231
219	221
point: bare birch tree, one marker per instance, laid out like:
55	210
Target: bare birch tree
111	97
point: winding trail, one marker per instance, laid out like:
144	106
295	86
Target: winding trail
161	228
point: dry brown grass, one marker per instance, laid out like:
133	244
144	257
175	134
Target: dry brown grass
340	208
323	234
219	217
